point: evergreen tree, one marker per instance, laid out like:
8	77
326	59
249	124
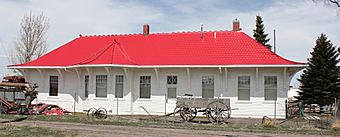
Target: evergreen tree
259	34
320	80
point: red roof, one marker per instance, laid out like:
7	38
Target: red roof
182	48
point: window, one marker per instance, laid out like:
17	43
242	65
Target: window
86	85
119	88
101	85
244	88
145	86
172	86
208	86
270	87
53	86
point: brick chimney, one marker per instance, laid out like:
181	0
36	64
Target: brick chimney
146	29
236	25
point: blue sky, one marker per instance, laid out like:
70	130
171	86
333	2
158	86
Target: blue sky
297	23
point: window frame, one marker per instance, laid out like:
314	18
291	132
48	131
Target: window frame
238	87
50	85
86	85
214	81
106	87
140	86
171	85
264	87
116	85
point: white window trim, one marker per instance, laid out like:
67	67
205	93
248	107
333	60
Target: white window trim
101	99
47	82
171	86
250	89
114	85
263	86
90	94
138	91
49	86
208	74
95	86
114	99
89	83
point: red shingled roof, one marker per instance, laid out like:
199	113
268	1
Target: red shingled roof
182	48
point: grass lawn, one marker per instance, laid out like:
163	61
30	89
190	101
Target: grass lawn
14	131
290	127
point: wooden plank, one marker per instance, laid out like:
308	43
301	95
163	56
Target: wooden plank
199	102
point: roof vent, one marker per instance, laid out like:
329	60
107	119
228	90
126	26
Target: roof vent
146	29
236	25
201	30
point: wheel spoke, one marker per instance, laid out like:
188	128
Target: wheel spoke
218	112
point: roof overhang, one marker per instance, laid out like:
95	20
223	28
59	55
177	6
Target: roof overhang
157	66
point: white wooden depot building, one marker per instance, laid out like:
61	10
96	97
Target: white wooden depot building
152	69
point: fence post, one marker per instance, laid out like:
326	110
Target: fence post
36	105
165	101
335	107
117	106
74	104
275	109
286	107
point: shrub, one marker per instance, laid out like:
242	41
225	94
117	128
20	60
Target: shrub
270	124
336	126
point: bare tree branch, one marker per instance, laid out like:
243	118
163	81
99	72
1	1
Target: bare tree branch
31	43
336	2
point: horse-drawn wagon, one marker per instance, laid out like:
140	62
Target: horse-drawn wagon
216	109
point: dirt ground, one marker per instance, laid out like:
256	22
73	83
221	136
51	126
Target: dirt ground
80	129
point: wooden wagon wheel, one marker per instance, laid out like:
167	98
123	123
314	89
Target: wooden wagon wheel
218	112
101	113
91	111
185	113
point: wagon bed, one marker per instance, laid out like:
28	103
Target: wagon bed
216	109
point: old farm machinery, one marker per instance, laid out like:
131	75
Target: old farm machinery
216	110
99	113
16	95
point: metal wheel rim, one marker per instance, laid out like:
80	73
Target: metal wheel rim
185	113
91	112
218	111
188	114
101	113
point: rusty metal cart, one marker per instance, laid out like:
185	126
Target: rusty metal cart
16	95
216	110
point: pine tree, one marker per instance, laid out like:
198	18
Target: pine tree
259	34
320	80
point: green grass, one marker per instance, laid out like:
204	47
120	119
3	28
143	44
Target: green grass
162	123
24	131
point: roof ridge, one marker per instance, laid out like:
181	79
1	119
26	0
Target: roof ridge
155	33
110	35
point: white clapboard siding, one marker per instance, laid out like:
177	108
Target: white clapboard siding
71	95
